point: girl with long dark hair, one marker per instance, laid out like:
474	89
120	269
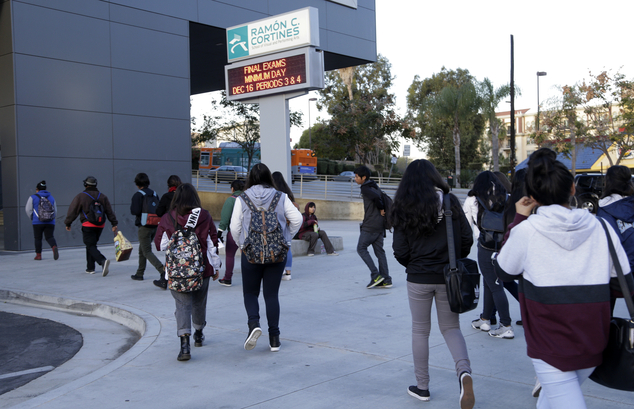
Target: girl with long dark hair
190	306
260	189
420	244
561	258
282	186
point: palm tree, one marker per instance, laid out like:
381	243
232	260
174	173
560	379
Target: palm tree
458	104
490	98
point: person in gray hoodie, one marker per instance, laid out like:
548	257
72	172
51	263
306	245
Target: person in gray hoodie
561	258
261	192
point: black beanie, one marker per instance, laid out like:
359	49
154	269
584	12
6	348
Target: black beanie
41	185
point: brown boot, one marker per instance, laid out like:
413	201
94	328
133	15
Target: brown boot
38	256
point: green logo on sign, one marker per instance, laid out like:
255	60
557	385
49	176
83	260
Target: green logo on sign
238	39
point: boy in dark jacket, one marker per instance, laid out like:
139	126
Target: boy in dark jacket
145	233
42	227
80	206
372	230
310	231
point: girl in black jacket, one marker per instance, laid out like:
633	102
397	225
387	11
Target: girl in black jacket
420	244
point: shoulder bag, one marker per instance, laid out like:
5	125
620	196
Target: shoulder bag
461	276
617	369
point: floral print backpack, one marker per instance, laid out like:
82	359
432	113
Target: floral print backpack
185	263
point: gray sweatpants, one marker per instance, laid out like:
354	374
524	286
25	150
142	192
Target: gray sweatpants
191	307
420	300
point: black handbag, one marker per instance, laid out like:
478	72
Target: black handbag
617	369
461	276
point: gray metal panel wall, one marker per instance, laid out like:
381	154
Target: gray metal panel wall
101	87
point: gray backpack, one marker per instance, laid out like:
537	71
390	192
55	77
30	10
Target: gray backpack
265	242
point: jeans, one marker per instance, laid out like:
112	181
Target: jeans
421	297
190	307
560	389
511	287
376	240
91	237
289	260
47	230
146	237
496	295
270	277
312	238
230	256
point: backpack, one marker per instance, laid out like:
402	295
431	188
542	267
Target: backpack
148	212
491	228
265	242
185	263
96	214
45	209
387	206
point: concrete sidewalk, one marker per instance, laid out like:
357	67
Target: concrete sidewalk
342	344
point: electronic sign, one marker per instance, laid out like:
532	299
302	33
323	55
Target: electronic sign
279	73
267	75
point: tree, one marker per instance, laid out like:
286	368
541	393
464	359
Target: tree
598	113
448	126
490	99
363	113
237	122
324	143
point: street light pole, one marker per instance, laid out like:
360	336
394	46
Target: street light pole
310	142
539	74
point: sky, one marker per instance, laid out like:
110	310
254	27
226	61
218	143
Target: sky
565	39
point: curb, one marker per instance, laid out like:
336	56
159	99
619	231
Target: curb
141	322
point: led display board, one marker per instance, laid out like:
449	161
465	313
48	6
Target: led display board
281	72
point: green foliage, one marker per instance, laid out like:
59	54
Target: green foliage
363	117
325	144
428	113
490	99
238	122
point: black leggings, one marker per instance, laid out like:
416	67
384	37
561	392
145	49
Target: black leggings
270	275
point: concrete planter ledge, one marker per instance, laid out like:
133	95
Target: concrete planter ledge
300	247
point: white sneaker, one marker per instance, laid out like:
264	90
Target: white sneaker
286	277
482	325
537	389
334	253
503	332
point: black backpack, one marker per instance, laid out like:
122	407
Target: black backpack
96	214
45	209
387	206
148	212
491	228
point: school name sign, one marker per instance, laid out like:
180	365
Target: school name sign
299	28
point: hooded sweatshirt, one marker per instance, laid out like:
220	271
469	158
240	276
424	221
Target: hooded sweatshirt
620	214
564	264
309	220
32	205
261	196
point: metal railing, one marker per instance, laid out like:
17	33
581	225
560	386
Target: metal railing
324	187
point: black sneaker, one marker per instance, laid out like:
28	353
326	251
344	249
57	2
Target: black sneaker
467	399
254	333
418	393
226	283
274	343
105	267
375	281
136	277
162	283
384	284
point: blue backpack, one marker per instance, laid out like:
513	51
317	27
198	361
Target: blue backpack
265	242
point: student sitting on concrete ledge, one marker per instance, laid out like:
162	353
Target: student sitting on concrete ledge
310	231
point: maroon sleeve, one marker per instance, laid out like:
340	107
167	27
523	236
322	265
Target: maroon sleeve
517	220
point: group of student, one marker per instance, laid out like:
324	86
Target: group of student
559	255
